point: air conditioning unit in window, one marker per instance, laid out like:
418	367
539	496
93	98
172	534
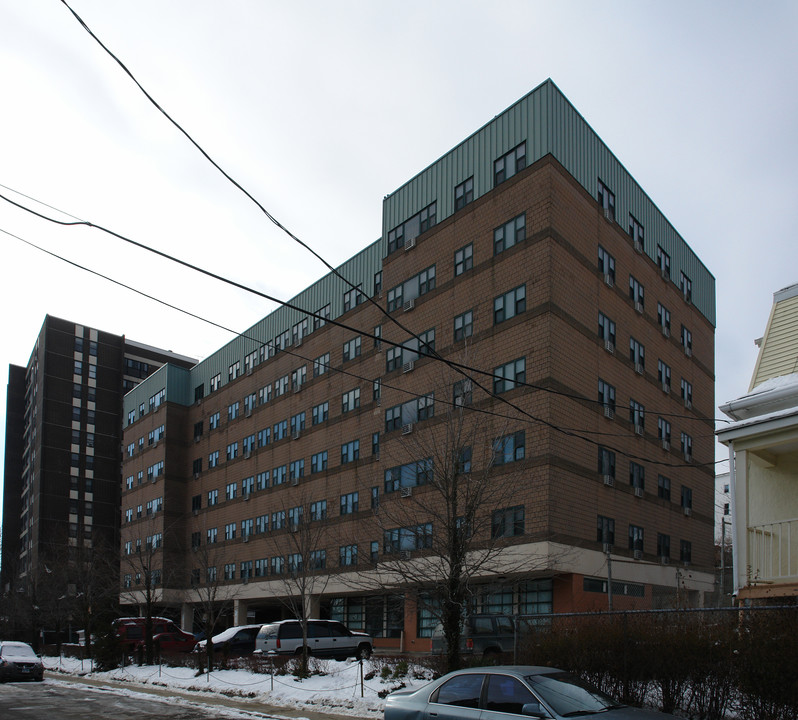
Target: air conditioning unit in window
639	307
245	538
406	492
608	280
410	243
639	430
664	559
609	214
293	527
666	445
245	581
408	366
638	246
298	342
197	438
247	454
609	480
296	435
666	331
407	429
688	404
404	555
688	511
688	351
609	413
665	274
609	346
409	305
295	481
249	370
638	554
639	368
195	512
196	476
666	387
298	387
247	496
688	457
638	492
248	412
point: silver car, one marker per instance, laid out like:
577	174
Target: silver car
496	692
326	638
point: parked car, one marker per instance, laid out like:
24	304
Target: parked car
486	636
130	630
174	641
326	638
235	641
18	661
490	693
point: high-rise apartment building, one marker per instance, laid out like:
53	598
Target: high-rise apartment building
62	460
584	325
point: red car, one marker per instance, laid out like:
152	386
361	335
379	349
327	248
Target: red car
174	641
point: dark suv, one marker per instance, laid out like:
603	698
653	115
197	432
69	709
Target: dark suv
326	638
487	636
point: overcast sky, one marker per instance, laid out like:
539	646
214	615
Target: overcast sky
320	109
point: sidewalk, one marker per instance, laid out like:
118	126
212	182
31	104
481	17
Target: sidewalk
210	699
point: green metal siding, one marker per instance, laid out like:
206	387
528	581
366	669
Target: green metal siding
547	121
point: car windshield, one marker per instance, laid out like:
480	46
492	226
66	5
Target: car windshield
568	695
17	651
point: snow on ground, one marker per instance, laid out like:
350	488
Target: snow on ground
336	688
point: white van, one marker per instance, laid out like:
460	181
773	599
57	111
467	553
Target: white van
326	638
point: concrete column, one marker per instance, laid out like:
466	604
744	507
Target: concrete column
313	606
187	617
239	612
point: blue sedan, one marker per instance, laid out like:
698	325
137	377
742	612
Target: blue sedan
500	693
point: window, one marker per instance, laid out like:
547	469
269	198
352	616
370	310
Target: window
663	546
349	503
351	348
663	487
230	571
664	432
686	286
234	371
606	265
508	522
410	351
374	551
687	393
281	386
297	423
664	375
230	531
606	462
508	376
408	475
280	430
213	459
299	331
278	475
211	536
347	555
606	329
509	448
637	354
318	462
318	559
637	293
462	393
350	451
606	200
248	485
637	414
463	193
296	469
322	316
509	164
687	341
687	446
687	497
265	394
321	364
298	378
636	538
663	262
216	382
606	395
410	229
264	437
320	412
421	408
637	476
509	305
294	563
261	567
685	551
231	491
636	232
375	444
247	527
509	234
262	480
463	259
411	289
295	516
213	497
664	319
213	421
248	444
605	530
278	520
376	391
414	537
232	451
277	565
378	283
251	360
318	510
464	326
350	400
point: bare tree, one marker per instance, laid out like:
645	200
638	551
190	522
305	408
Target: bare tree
450	513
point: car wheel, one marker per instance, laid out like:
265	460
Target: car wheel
299	652
491	656
363	652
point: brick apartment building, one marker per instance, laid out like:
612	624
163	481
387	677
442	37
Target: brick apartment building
528	254
62	460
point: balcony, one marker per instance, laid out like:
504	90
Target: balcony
773	552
